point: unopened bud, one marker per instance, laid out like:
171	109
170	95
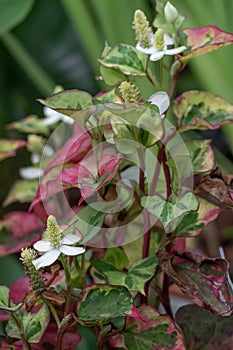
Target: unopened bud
170	12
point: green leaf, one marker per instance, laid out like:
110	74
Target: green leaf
202	155
201	110
34	324
5	302
139	273
202	280
203	40
30	125
204	330
8	148
13	12
111	76
126	59
88	221
101	303
109	96
68	102
150	330
23	191
117	257
170	213
137	124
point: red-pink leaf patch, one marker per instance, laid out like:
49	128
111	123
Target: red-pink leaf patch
8	148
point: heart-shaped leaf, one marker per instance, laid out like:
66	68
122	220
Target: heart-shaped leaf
150	330
100	303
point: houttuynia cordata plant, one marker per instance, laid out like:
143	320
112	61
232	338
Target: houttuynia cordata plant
117	186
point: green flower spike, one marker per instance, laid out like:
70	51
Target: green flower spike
130	92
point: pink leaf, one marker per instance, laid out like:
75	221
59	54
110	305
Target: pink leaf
202	40
18	230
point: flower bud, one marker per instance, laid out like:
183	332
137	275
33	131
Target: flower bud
171	13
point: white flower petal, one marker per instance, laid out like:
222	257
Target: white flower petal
67	119
146	50
156	56
160	99
168	39
175	51
30	172
46	259
70	239
51	116
42	246
71	251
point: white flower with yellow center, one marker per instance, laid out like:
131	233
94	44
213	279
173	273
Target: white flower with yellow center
159	43
54	244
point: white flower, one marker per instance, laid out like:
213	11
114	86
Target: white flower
52	117
52	253
157	51
161	100
158	54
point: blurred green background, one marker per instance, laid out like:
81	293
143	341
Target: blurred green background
44	43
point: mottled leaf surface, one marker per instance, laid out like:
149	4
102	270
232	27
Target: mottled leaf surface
150	331
100	303
201	279
170	213
68	102
126	59
203	40
193	223
34	325
204	330
136	277
202	155
201	110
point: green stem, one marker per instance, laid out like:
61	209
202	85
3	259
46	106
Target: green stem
53	311
81	269
68	284
37	75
